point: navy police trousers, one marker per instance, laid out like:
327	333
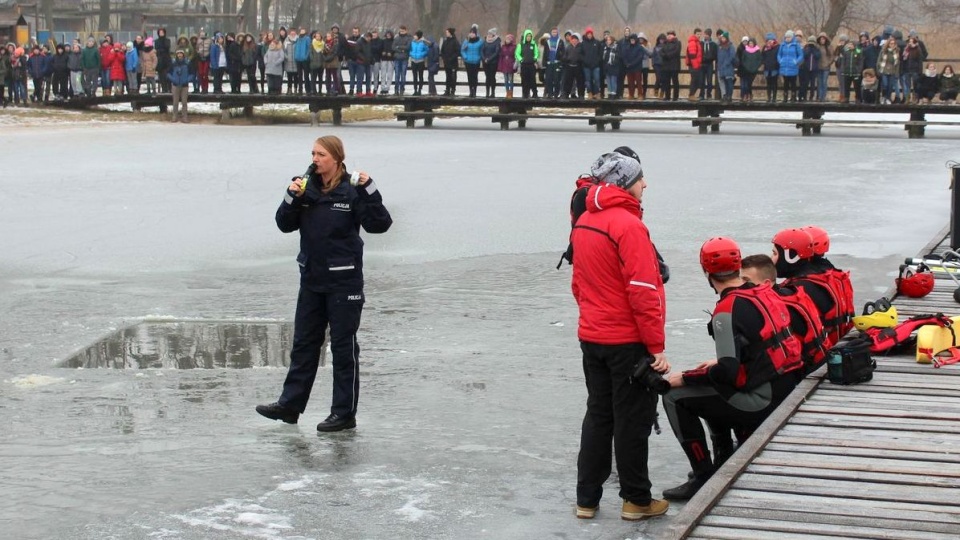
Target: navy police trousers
314	312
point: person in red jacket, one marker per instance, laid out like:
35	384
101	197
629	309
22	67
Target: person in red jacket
618	288
694	63
106	61
118	72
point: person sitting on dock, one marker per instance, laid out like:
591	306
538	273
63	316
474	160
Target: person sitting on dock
799	257
753	373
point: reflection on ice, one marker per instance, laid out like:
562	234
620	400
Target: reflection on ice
189	345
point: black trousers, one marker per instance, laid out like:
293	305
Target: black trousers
620	412
789	88
315	311
473	77
696	81
490	78
742	411
573	83
671	84
528	79
450	74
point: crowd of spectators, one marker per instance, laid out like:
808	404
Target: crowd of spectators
886	68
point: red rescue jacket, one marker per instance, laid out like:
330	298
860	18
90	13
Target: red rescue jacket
778	352
839	320
811	333
616	277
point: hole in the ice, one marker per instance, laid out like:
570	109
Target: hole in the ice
190	345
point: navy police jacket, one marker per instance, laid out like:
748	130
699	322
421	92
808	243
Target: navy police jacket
331	250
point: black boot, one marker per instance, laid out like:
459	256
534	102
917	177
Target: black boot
337	423
699	458
276	411
722	448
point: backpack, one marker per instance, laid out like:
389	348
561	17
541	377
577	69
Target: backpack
849	362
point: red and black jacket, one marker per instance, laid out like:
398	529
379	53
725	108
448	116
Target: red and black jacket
751	329
838	319
805	323
616	278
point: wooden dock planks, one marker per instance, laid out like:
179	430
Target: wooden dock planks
875	460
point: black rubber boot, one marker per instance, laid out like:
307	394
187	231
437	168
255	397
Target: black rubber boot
699	457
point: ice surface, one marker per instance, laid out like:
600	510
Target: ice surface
472	391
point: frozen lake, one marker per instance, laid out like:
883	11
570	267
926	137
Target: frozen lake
472	390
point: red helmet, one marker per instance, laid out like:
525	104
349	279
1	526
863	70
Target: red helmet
915	283
720	255
821	240
797	240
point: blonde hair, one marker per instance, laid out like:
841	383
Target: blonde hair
334	146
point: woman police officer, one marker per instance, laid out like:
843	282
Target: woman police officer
328	206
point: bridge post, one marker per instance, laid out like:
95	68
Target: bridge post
955	206
916	130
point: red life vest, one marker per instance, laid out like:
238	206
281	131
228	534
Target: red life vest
813	340
885	339
778	350
839	320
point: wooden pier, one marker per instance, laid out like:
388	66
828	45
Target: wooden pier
809	117
875	460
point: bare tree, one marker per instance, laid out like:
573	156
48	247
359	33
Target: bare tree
432	15
513	17
104	23
265	14
630	17
558	10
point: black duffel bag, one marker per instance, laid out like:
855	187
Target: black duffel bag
849	362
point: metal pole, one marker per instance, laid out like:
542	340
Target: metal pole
955	206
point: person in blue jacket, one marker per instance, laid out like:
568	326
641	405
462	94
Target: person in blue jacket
418	60
301	55
790	58
180	78
328	206
470	50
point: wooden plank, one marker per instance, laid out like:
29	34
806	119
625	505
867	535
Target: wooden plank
814	527
834	506
858	463
884	394
876	422
852	521
918	369
941	387
847	489
905	402
856	410
867	449
709	494
724	533
858	476
863	434
925	410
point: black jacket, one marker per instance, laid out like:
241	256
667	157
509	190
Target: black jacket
376	50
670	53
331	250
592	52
450	51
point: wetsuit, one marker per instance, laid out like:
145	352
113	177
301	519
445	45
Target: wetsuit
740	390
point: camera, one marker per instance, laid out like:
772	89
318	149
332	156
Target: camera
647	376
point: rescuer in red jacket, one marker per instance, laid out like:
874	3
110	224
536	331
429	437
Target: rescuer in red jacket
618	288
755	369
